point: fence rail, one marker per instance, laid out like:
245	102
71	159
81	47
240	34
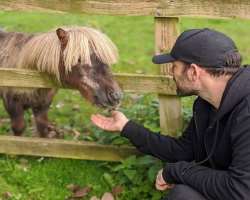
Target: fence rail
129	82
63	149
22	78
161	8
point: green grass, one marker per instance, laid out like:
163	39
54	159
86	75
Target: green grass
135	44
36	178
134	37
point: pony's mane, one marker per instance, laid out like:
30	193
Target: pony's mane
43	51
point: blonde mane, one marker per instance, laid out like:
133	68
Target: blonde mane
42	52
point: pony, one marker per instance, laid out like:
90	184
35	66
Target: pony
76	57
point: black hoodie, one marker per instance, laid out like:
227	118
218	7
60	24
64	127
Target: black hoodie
213	154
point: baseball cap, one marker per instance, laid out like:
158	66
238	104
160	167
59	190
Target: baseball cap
205	47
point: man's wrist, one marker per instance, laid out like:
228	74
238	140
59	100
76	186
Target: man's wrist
123	125
166	175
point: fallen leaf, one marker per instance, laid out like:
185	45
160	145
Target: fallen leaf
76	134
94	198
76	107
108	196
82	192
117	190
7	195
73	188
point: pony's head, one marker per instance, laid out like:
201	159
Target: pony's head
79	58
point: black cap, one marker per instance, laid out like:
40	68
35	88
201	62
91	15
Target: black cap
204	47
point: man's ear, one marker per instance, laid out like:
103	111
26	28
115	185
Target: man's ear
193	72
62	36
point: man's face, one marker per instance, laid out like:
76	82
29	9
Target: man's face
184	86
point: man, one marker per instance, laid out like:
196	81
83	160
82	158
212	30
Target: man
211	160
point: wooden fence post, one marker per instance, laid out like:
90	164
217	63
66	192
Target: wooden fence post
166	32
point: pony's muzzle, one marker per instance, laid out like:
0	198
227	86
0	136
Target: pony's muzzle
107	98
114	97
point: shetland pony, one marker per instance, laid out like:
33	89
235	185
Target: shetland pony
77	57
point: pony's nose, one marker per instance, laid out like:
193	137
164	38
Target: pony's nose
115	96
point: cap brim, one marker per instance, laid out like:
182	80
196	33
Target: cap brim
163	58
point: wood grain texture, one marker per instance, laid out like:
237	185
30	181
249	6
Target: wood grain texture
116	7
204	8
128	82
166	32
162	8
63	149
10	77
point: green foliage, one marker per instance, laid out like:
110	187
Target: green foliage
144	109
137	176
47	179
187	111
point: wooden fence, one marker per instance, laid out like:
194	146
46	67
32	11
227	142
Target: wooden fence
166	14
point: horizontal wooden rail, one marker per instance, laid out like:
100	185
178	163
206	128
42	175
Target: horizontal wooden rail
204	8
167	8
64	149
128	82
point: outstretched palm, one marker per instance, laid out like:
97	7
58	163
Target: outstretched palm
115	122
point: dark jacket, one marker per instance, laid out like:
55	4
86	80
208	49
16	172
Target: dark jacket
213	154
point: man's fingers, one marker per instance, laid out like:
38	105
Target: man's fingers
161	187
159	184
115	112
114	123
97	121
101	117
160	180
103	122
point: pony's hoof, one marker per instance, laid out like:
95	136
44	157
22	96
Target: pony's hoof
52	132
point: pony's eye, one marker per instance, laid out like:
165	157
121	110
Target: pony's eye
87	68
79	60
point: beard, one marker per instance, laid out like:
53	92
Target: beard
181	92
184	91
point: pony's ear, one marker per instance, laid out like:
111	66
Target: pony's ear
62	36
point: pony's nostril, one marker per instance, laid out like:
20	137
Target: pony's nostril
115	96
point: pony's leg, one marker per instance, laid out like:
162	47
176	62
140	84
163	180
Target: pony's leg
40	110
41	119
14	107
44	127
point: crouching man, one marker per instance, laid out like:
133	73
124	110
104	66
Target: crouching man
211	160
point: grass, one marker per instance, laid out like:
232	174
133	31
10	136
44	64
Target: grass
30	178
36	178
119	29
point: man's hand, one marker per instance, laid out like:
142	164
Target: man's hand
114	123
160	184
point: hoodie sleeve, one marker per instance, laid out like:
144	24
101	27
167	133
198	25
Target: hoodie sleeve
163	147
233	183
